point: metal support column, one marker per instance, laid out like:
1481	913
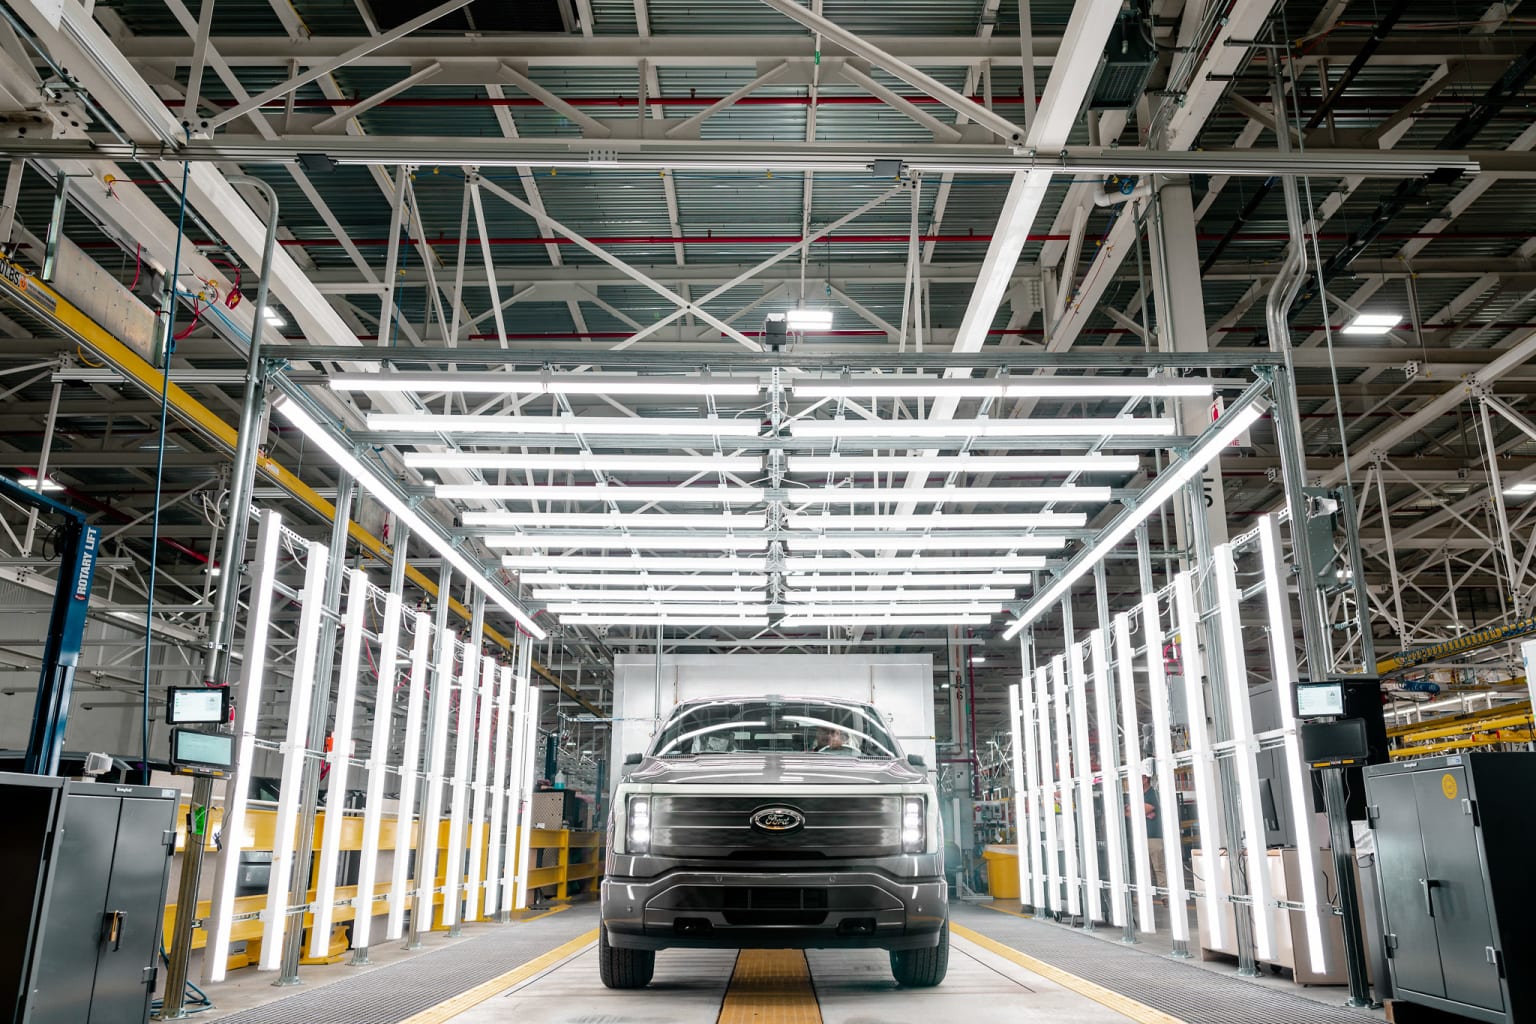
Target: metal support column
1077	766
1343	843
49	427
319	715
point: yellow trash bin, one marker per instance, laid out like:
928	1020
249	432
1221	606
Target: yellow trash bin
1002	871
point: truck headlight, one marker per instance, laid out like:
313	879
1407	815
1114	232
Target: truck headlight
637	832
914	824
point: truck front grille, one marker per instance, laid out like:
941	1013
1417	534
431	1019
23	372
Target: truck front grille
719	827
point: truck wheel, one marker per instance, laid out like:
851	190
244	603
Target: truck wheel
624	968
922	968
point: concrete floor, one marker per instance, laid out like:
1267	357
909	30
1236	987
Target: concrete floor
851	986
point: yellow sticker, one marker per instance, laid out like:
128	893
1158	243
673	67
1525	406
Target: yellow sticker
1448	785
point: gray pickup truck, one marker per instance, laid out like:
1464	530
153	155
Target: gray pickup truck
774	822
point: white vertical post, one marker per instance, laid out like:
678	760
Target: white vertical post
1245	751
1073	872
495	899
1167	795
339	759
311	614
432	811
1282	650
1082	754
253	667
515	781
1020	796
407	835
1032	781
476	884
378	768
525	836
1202	760
1125	664
1114	797
1048	789
463	750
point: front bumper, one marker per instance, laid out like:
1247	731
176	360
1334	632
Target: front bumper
778	910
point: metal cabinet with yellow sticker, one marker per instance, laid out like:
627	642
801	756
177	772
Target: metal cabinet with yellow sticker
1455	840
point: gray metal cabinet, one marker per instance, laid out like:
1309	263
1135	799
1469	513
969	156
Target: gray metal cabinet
82	925
1450	840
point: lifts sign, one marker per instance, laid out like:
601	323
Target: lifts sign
87	564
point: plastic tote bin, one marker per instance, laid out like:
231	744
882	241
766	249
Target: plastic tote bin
1002	871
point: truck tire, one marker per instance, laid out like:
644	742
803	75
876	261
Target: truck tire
922	968
624	968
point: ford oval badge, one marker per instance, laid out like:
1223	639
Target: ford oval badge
777	820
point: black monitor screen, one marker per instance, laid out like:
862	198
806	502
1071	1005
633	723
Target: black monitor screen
1341	740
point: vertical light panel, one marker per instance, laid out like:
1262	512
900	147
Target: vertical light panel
306	650
1020	797
1032	781
253	667
407	835
515	782
458	813
378	769
1047	790
1282	650
1114	796
525	833
1245	751
476	883
1202	760
1082	755
494	899
1167	795
340	762
432	803
1130	727
1073	872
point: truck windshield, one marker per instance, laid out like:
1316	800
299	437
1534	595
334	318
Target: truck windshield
775	726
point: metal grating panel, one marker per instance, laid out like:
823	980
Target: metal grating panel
392	993
1192	994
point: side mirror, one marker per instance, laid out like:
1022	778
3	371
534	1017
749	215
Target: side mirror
915	760
630	759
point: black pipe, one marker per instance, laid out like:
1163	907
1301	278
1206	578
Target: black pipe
1378	35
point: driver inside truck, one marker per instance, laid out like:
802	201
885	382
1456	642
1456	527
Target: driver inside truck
831	740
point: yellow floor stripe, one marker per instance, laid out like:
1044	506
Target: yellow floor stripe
1124	1005
770	986
1004	910
450	1008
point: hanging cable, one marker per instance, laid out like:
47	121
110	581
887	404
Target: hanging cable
165	388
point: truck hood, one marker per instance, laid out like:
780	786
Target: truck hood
774	770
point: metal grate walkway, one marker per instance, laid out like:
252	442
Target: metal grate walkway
392	993
1190	993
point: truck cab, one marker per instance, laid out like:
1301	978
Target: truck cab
774	822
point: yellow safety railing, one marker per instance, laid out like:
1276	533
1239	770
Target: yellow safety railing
559	859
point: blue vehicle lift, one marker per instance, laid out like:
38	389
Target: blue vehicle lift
78	543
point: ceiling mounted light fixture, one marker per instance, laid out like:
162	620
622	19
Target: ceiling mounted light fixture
831	495
715	619
981	579
618	520
981	426
286	407
641	579
904	386
964	463
478	383
273	317
601	492
684	542
1211	444
1372	324
652	595
635	562
585	462
808	319
434	423
820	563
864	619
821	521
